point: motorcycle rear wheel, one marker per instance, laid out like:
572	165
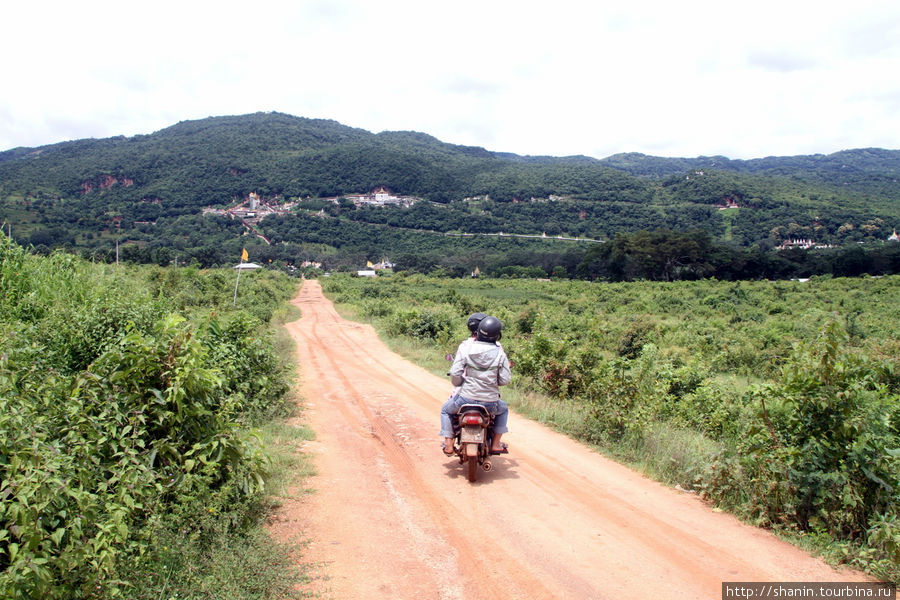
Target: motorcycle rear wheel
472	466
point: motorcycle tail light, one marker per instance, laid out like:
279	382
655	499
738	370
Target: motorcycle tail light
471	420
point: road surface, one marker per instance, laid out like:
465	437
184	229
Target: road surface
391	517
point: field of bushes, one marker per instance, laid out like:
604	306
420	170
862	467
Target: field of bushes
130	397
776	400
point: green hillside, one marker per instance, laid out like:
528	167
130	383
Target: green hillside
210	161
148	192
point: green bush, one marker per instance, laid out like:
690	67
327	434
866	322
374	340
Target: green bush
428	324
378	308
633	339
115	412
829	432
712	409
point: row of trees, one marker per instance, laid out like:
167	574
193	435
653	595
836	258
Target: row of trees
666	256
660	254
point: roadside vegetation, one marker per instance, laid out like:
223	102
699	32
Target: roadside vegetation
777	401
136	435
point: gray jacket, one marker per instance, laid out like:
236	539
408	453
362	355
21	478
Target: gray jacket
480	368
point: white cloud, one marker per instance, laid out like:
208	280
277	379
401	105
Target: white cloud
560	78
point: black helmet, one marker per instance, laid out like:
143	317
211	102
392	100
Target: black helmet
489	329
474	320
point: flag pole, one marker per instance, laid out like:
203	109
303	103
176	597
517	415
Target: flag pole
238	280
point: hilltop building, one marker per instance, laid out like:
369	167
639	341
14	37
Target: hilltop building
802	243
727	203
247	266
381	197
894	237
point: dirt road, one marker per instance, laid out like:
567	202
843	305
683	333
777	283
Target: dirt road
391	517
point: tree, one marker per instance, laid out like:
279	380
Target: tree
660	255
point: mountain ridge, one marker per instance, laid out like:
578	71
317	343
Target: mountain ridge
155	188
633	162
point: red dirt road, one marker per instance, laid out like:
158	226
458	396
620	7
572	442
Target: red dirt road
391	517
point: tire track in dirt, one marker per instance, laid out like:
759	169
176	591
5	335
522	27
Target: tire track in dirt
469	556
401	384
392	518
655	536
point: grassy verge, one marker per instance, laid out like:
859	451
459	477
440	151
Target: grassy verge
216	548
140	432
216	545
212	548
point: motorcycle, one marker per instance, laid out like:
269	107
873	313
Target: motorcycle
472	438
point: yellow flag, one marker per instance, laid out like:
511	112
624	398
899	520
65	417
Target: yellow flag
244	255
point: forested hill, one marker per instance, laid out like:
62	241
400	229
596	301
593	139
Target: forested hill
150	190
872	170
210	161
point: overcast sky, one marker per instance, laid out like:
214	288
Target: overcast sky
556	77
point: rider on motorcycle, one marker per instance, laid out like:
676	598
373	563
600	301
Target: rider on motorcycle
472	323
479	369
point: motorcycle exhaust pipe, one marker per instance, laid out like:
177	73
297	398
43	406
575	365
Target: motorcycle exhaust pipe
487	465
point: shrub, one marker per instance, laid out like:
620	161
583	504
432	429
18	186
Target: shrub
429	325
377	308
633	339
114	412
526	319
711	408
823	432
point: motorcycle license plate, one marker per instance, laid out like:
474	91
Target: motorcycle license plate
472	433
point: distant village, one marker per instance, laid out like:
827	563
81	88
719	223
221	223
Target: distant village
254	208
379	197
807	244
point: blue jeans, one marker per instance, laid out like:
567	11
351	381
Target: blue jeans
498	409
